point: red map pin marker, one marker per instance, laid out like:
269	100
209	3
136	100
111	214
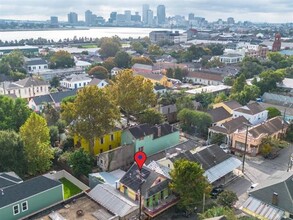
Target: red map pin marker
140	157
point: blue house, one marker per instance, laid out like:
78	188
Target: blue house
19	199
150	139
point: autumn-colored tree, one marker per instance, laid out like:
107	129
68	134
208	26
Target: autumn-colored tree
142	60
109	63
133	94
37	149
99	72
61	59
93	113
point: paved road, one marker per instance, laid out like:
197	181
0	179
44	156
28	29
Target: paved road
257	170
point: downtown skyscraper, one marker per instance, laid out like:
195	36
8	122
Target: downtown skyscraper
145	9
161	14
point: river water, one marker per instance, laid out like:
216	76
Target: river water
122	32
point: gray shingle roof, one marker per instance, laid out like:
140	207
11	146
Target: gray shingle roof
153	76
26	189
9	179
251	109
39	100
281	183
30	81
232	104
219	114
36	61
59	96
207	76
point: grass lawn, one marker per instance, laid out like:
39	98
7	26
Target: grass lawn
69	188
89	46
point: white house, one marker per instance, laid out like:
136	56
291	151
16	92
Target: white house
75	81
82	64
205	78
35	65
101	83
231	58
253	112
25	88
115	71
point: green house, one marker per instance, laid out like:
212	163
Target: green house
150	139
20	199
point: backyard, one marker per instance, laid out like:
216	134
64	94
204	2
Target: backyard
69	188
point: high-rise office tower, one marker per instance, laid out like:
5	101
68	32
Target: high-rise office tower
88	18
113	16
150	16
127	16
145	9
54	20
72	18
161	14
190	17
230	20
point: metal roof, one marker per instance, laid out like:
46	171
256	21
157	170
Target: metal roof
222	169
113	200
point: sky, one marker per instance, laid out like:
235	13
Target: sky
273	11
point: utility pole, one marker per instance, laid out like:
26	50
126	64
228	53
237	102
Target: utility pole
140	202
245	147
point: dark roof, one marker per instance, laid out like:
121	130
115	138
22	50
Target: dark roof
153	76
203	75
207	157
26	189
30	81
232	104
281	183
219	114
9	179
231	126
158	187
36	61
269	127
251	109
59	96
132	178
39	100
96	81
143	130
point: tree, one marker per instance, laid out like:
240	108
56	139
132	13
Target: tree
93	112
81	162
250	67
5	68
184	102
122	59
216	49
191	194
141	60
221	97
54	135
178	74
269	79
50	114
218	211
228	81
137	47
109	63
133	94
37	149
109	48
13	113
15	60
99	72
170	73
247	94
150	116
61	124
273	112
239	84
217	138
61	59
227	199
12	154
155	50
55	82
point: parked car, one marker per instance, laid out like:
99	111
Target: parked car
216	191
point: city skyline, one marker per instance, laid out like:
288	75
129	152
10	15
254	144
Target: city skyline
273	11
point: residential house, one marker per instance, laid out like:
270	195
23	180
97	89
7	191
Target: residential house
105	143
82	64
210	89
25	88
21	199
150	139
205	78
219	166
114	201
228	128
229	106
75	81
115	71
110	178
274	127
142	68
231	58
101	83
219	116
159	89
35	65
38	103
253	112
154	189
285	109
9	179
272	199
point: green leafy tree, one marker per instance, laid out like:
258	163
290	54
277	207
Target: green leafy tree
5	68
61	124
150	116
168	98
55	82
218	211
228	81
251	67
99	72
178	74
133	94
155	50
269	79
13	113
273	112
15	59
227	199
221	97
109	48
122	59
109	64
81	162
12	153
37	149
137	47
61	59
54	135
239	84
93	112
217	138
191	194
170	73
184	102
50	114
204	98
216	49
247	94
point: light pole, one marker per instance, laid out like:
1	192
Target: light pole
245	146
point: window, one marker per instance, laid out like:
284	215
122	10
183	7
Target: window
24	206
110	147
101	151
140	149
16	210
102	140
112	137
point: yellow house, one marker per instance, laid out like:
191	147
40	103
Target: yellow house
229	106
157	78
107	142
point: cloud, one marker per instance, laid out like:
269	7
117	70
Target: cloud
255	10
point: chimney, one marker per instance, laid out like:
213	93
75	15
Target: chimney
159	131
275	199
